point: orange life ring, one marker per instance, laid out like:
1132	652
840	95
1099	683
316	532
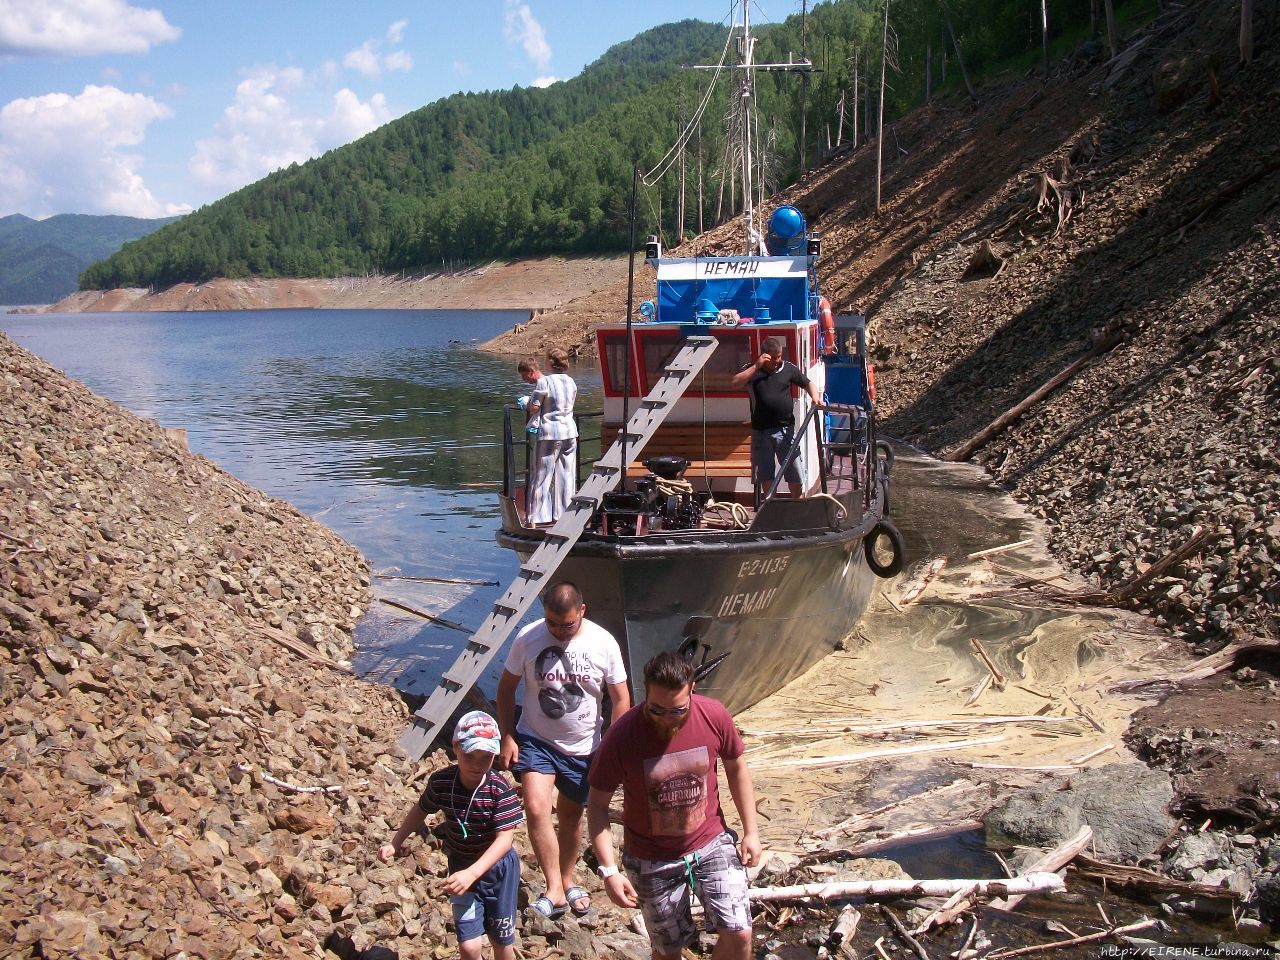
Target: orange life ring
827	323
871	382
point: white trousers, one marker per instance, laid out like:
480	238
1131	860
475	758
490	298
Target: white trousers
553	479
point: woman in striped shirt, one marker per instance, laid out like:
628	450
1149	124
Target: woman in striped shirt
553	479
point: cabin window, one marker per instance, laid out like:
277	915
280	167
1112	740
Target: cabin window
613	364
736	351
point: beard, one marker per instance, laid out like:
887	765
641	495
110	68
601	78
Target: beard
665	732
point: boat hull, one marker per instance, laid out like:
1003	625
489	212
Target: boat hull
753	612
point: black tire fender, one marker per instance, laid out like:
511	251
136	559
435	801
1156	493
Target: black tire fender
883	449
885	528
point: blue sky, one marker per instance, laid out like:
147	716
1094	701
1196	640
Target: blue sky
150	108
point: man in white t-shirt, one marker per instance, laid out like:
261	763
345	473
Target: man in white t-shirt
567	664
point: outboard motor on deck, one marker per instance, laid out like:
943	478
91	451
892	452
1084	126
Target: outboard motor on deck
660	501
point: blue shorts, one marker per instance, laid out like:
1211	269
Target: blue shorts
490	905
538	756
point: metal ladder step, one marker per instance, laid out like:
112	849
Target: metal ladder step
492	634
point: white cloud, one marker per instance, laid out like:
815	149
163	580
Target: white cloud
61	153
398	60
80	27
369	60
545	81
364	59
520	27
462	68
267	127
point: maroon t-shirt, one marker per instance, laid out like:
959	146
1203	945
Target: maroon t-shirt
670	801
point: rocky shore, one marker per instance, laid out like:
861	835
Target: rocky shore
534	285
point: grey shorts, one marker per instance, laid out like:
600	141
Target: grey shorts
663	887
768	449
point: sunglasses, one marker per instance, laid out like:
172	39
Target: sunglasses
667	711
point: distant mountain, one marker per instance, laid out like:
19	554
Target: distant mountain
41	260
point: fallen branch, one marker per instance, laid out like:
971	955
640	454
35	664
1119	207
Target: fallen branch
458	580
1057	944
978	690
953	787
889	752
891	602
425	616
284	785
996	676
1200	538
958	903
1055	859
845	927
905	934
1224	659
303	650
1138	879
1000	549
1108	341
914	590
1024	884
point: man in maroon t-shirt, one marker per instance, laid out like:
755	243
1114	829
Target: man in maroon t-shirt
676	842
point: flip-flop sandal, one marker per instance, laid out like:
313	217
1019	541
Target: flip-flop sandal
573	895
544	906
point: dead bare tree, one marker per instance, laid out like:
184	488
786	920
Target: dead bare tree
1246	31
884	60
1113	36
1044	34
964	72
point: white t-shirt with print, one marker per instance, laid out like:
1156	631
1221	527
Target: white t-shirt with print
564	684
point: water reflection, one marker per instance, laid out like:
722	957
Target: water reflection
379	423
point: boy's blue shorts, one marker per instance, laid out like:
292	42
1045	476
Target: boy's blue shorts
490	905
538	756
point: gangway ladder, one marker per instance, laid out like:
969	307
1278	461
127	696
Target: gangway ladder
485	643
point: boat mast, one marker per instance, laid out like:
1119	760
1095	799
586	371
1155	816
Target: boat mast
746	52
740	119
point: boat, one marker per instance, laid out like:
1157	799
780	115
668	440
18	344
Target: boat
670	538
689	553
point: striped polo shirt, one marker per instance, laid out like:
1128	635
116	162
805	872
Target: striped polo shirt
490	807
555	393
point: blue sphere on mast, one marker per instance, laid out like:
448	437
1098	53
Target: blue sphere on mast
786	234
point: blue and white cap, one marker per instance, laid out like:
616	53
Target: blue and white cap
478	731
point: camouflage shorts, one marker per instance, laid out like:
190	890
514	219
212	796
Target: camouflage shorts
664	887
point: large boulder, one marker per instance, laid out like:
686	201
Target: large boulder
1127	805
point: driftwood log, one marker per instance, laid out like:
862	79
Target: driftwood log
1055	859
1105	342
1020	885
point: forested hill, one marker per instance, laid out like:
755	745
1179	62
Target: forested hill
473	175
528	172
41	260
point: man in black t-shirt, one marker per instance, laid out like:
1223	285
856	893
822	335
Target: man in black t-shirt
769	381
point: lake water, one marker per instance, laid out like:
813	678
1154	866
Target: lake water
383	424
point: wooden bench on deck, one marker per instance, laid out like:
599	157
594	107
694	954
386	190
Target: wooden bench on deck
725	446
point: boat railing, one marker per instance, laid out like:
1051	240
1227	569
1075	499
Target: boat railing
518	460
585	463
794	451
853	442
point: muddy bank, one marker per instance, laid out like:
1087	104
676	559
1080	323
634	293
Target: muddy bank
534	285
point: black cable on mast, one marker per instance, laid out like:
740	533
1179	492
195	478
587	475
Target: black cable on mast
631	286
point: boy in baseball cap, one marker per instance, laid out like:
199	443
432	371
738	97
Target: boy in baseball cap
481	812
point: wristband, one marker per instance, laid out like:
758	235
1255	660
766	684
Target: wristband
607	872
